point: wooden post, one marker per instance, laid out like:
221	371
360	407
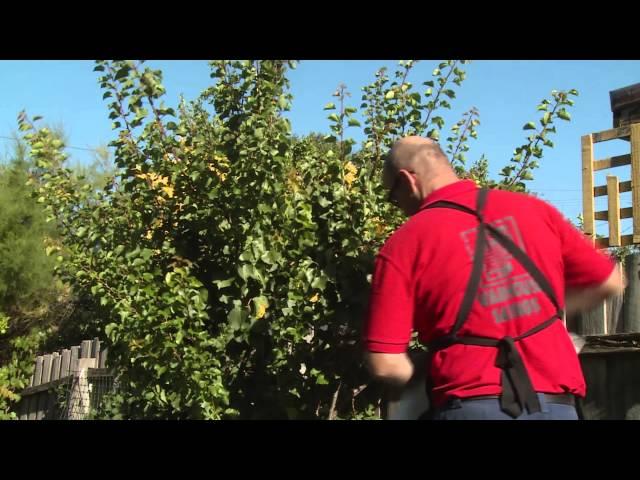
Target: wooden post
79	398
55	366
43	397
52	398
75	355
37	375
635	180
24	408
65	363
613	198
32	407
33	399
95	351
588	203
103	358
47	360
615	323
594	321
85	349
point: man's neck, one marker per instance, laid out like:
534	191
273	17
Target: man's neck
438	183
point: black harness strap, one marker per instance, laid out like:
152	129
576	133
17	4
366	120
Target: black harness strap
517	389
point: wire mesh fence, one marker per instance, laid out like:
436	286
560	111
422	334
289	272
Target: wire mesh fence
83	394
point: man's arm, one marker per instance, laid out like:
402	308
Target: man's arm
388	326
578	300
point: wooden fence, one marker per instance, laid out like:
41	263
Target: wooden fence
611	356
61	385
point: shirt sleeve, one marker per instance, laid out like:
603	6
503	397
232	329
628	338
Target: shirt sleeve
584	265
389	321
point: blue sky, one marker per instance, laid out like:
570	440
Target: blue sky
505	92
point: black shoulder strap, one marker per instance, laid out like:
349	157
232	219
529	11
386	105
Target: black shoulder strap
526	262
476	270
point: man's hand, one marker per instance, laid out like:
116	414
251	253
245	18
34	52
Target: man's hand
581	300
394	369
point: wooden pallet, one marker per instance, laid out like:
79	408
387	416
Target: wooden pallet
613	188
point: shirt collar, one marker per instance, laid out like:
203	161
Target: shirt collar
453	189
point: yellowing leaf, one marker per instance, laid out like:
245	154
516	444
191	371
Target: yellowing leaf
349	178
350	167
6	393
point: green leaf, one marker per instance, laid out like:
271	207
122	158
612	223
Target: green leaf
564	115
246	271
81	231
122	73
236	317
223	283
329	106
109	328
334	117
319	283
390	94
529	126
353	122
434	134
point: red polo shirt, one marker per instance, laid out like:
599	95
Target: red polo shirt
422	271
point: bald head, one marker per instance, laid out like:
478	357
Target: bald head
423	165
420	155
417	153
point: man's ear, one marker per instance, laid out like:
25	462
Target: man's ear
410	179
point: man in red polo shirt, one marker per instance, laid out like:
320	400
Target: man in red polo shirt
483	277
